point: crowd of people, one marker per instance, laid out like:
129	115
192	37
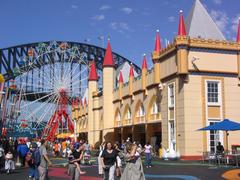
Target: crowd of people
121	160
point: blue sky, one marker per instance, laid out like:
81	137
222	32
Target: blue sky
131	25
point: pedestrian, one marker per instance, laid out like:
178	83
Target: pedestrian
34	162
22	150
9	163
43	167
2	157
109	159
56	149
134	167
100	168
148	158
74	162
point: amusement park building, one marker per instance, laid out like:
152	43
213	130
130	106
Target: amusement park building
194	83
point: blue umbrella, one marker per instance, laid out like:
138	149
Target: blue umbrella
225	125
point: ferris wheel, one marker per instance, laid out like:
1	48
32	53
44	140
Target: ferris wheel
47	80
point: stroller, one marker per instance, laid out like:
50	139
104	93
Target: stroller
87	157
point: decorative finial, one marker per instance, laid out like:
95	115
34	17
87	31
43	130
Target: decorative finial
157	30
144	54
181	11
108	38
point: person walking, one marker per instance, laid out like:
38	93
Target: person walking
22	150
109	159
34	161
134	167
9	163
100	168
74	162
148	157
42	168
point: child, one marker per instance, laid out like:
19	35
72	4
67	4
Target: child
9	163
71	158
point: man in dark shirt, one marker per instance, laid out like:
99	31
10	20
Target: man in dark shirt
220	148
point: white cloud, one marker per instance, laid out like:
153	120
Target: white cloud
220	18
235	22
99	17
104	7
127	10
171	19
218	2
120	26
73	6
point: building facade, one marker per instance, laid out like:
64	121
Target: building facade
194	82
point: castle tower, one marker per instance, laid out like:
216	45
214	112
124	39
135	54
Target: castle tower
108	86
155	58
92	87
131	78
120	82
144	72
182	42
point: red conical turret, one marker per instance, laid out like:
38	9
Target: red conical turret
85	101
131	74
238	34
108	58
93	72
144	63
120	77
157	42
181	26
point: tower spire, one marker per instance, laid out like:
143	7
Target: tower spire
157	42
120	77
238	34
93	72
108	59
131	74
144	63
181	26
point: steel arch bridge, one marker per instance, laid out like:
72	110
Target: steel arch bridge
11	58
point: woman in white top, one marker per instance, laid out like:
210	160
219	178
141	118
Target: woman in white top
148	157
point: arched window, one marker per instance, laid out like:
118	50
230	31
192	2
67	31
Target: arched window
118	118
128	116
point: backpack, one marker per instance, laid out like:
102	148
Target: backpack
35	159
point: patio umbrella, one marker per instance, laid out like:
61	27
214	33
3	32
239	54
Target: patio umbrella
225	125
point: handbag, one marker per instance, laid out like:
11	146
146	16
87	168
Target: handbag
118	172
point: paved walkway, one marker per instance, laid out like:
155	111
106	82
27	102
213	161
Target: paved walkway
161	170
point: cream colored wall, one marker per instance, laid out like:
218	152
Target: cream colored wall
168	66
213	61
108	111
232	105
179	115
193	117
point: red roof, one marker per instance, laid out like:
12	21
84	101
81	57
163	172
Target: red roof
120	77
157	42
108	58
131	74
181	26
238	34
93	72
144	63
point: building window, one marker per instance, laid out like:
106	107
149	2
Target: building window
128	116
172	140
118	119
213	92
213	139
141	111
155	108
171	95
